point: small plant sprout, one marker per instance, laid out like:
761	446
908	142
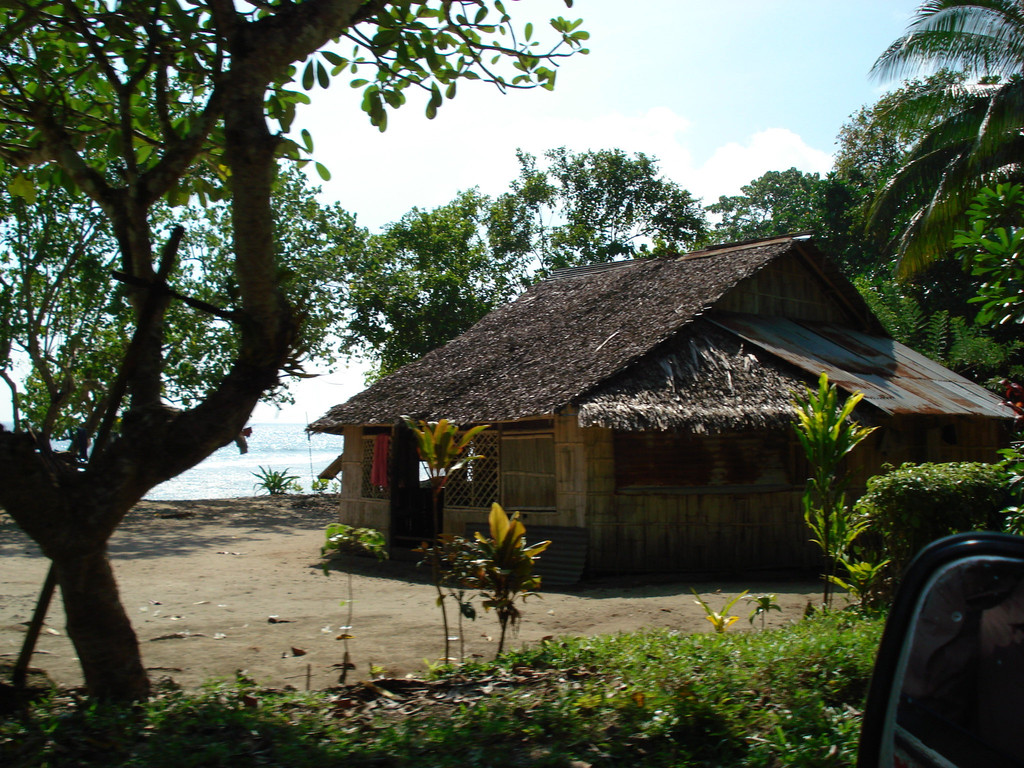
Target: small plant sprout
762	604
276	482
341	538
720	620
322	485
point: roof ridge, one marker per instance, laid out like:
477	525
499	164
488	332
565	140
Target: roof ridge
590	269
714	250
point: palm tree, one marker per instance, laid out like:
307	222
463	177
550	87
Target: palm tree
971	126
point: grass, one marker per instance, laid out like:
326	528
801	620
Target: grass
785	697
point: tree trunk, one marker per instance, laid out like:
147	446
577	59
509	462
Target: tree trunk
107	647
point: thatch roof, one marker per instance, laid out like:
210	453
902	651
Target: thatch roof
703	380
560	342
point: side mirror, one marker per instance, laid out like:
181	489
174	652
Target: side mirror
948	684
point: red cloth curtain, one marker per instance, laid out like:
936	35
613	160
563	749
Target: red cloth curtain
379	470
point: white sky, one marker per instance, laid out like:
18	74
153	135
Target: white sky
720	92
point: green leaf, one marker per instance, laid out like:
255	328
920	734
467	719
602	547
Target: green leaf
322	171
434	103
308	76
22	186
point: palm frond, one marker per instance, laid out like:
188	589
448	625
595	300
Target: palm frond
984	37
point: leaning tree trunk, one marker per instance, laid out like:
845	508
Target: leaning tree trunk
97	624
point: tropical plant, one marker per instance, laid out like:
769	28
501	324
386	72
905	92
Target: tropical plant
960	343
720	620
863	580
443	451
322	485
276	482
503	574
993	249
132	104
1012	465
342	538
828	434
972	134
762	605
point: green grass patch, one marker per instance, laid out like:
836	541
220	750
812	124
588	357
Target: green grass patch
785	697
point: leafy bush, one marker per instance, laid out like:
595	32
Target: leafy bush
911	506
322	485
347	539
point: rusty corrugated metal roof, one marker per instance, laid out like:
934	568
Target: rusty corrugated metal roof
893	377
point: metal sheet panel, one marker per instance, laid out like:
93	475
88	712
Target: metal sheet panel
893	377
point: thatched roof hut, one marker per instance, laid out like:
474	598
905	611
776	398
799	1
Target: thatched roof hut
593	376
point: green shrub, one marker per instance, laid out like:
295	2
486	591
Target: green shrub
276	482
915	504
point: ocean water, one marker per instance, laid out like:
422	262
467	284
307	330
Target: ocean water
227	474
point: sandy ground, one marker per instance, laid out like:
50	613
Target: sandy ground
214	587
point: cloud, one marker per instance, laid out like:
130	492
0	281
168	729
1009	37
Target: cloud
473	143
776	149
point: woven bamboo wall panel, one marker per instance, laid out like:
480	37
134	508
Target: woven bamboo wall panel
528	471
665	459
476	486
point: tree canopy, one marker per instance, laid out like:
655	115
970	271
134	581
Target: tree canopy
776	203
597	206
970	126
428	277
424	280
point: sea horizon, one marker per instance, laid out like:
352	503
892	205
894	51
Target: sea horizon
229	474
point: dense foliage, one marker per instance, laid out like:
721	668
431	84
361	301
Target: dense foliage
598	206
914	504
786	697
969	129
992	249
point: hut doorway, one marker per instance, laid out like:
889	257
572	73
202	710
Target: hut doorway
411	517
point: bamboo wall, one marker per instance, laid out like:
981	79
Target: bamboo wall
730	528
923	438
689	530
352	508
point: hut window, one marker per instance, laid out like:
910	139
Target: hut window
475	486
667	460
528	472
376	451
